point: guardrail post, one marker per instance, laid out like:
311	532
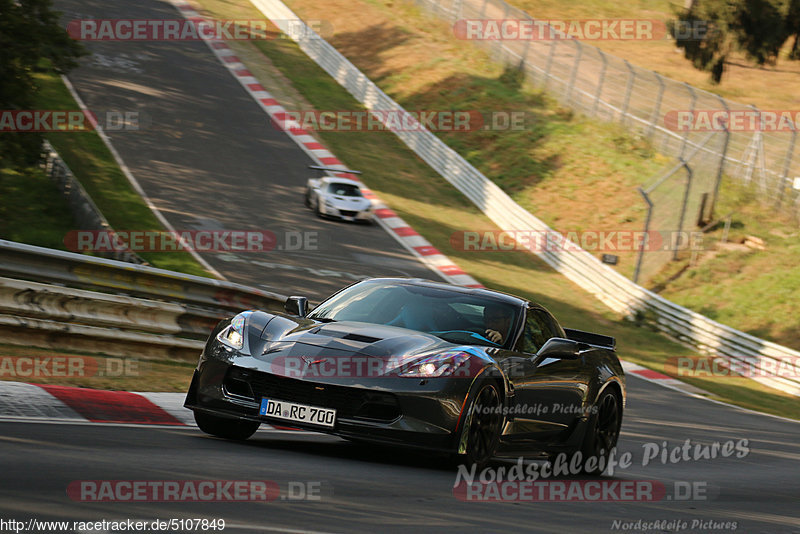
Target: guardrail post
638	270
628	90
600	82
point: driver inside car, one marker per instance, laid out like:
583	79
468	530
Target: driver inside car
497	321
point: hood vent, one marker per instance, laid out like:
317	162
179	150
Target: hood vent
362	339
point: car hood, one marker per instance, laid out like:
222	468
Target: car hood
289	346
348	203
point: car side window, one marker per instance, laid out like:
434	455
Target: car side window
553	327
538	329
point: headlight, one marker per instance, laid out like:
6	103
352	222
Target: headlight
233	334
442	364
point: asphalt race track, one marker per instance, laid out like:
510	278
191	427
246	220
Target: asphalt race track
365	489
210	160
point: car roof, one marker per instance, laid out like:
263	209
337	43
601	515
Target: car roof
477	291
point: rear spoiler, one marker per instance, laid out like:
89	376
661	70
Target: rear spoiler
590	338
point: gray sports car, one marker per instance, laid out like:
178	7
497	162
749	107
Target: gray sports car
471	372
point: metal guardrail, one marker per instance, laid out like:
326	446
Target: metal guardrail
152	313
83	208
610	287
29	262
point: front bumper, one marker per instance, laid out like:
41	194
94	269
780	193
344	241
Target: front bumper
346	214
393	410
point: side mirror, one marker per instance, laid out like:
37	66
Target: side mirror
563	349
296	306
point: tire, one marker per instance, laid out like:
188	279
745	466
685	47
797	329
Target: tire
485	425
224	427
317	208
602	433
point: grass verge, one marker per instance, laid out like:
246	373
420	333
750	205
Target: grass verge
436	210
96	371
32	209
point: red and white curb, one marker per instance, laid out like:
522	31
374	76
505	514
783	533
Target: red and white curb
388	219
23	402
39	402
660	378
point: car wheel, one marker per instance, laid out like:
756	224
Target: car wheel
483	432
224	427
602	433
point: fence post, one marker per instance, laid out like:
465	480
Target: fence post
686	136
721	166
553	45
600	82
500	46
689	176
574	72
628	90
786	164
657	108
638	269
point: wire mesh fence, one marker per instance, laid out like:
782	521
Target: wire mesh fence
679	205
664	110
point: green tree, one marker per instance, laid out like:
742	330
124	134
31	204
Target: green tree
30	33
709	31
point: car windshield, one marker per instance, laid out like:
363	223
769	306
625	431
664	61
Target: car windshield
344	190
454	316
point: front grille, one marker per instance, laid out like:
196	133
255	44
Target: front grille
350	403
346	213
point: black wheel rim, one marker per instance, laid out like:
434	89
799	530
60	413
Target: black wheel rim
485	424
608	423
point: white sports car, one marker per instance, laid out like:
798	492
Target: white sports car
338	197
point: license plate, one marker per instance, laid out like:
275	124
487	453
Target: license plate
298	413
